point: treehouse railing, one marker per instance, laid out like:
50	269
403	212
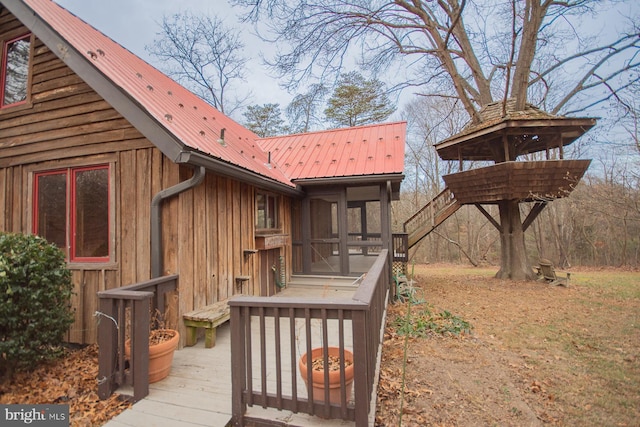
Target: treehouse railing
125	313
260	366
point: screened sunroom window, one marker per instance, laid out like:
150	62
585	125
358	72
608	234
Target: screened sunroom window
72	210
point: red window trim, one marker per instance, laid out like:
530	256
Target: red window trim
70	214
72	206
3	75
36	207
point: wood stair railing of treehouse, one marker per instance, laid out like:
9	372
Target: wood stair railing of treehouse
431	216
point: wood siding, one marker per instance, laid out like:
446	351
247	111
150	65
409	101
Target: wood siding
205	230
530	181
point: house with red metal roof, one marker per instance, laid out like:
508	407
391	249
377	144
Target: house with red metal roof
158	198
136	178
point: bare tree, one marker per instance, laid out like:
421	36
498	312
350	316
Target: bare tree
429	120
477	51
302	112
204	55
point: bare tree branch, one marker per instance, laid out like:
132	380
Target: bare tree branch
203	54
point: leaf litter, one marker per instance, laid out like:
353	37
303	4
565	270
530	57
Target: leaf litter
70	380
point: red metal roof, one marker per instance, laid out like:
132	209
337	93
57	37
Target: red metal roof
375	149
190	119
365	150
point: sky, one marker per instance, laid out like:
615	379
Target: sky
135	23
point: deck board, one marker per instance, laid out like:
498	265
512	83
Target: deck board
198	389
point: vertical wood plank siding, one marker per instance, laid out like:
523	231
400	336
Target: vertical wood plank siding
205	230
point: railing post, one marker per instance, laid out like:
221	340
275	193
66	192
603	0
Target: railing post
108	345
140	345
360	368
114	304
238	363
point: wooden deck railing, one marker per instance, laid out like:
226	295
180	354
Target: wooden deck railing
125	313
400	247
264	372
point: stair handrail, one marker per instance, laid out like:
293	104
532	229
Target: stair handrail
436	205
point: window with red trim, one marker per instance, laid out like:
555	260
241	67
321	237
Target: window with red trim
15	71
72	210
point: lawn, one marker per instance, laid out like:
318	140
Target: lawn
536	354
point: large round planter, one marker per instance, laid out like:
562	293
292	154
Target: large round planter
334	376
160	357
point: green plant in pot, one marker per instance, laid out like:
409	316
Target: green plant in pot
318	373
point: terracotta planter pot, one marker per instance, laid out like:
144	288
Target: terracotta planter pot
317	375
160	357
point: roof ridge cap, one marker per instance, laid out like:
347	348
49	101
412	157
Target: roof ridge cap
332	130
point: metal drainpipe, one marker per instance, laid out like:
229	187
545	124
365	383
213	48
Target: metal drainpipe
156	219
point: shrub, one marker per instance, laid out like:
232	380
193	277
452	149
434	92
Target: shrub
35	301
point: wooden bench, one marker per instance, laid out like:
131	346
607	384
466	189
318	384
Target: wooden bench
209	317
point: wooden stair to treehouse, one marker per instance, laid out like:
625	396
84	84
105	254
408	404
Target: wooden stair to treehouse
430	216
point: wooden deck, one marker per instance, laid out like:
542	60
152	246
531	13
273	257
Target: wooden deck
198	389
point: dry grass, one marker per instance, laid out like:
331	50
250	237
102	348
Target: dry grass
537	355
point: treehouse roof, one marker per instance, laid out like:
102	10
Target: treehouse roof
522	132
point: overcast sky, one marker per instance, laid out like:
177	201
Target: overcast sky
135	23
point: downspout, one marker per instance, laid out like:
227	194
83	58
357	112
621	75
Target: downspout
156	219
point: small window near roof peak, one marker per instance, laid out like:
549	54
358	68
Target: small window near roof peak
15	70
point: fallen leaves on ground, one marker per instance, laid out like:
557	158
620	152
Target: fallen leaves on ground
70	380
537	354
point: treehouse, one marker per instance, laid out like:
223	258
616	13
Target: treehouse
510	141
502	138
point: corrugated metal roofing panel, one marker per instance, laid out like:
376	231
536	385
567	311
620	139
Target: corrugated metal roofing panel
191	120
364	150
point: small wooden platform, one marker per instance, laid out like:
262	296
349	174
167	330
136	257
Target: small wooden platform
209	317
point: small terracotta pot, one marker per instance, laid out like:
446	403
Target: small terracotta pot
160	357
334	376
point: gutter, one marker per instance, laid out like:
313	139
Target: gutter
342	180
156	219
236	172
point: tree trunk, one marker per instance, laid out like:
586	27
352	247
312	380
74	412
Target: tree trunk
514	262
534	13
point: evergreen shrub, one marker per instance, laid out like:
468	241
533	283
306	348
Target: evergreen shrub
35	301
